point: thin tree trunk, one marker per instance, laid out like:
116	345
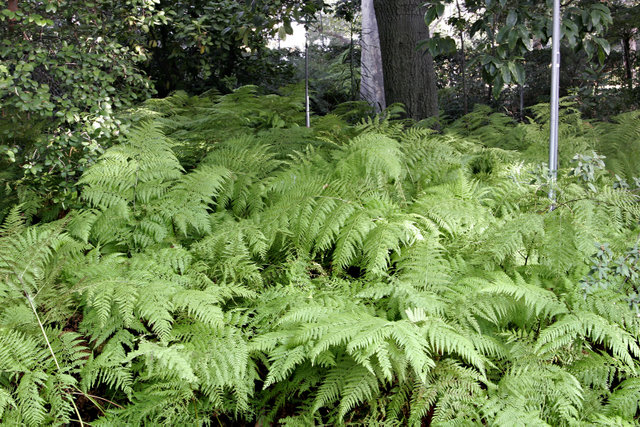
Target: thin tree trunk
463	70
632	54
521	90
409	74
465	96
626	48
372	80
352	74
493	52
307	105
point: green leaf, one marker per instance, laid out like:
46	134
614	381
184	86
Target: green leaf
498	83
517	72
595	17
513	39
430	15
604	44
287	27
506	73
601	56
512	18
527	42
502	35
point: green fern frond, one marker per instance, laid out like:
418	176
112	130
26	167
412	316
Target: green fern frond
7	402
30	401
584	325
13	223
166	361
625	399
539	300
109	367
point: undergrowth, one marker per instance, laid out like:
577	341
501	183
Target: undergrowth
230	266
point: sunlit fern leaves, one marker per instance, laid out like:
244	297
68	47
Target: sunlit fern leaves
33	390
538	394
141	195
372	159
231	268
233	251
582	326
619	142
249	164
134	172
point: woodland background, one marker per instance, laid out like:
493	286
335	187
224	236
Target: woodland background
69	69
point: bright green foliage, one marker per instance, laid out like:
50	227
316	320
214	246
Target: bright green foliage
231	267
617	141
621	144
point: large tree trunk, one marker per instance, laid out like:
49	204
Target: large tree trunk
409	76
372	81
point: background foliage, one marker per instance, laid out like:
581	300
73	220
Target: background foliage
69	69
506	53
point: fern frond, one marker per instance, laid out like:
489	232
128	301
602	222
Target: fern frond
583	325
625	399
541	301
13	223
31	403
168	361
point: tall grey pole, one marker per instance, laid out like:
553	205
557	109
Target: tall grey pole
555	101
306	78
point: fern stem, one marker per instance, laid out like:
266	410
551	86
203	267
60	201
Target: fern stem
53	354
349	202
195	407
44	334
93	396
46	338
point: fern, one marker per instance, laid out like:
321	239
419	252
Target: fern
229	266
618	141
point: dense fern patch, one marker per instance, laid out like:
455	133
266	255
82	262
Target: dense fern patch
231	266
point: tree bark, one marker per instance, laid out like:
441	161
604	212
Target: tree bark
372	80
409	75
463	70
626	48
12	5
521	90
352	65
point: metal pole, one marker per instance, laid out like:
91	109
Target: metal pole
306	77
555	102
